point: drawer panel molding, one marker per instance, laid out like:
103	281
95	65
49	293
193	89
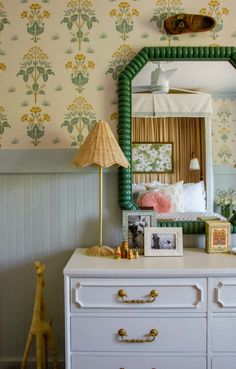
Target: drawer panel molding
140	362
224	294
101	334
221	362
159	294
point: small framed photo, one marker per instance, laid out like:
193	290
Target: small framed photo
163	241
217	236
134	223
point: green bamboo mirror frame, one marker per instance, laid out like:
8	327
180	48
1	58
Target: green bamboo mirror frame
125	100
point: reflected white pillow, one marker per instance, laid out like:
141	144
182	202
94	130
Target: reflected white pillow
143	186
173	192
138	187
194	197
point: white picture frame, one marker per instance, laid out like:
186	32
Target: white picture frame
134	223
163	241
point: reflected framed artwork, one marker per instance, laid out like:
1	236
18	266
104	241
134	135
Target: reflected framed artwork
163	241
152	157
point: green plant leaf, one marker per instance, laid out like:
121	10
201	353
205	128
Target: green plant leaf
74	17
70	128
85	121
74	121
25	77
45	77
85	17
29	70
41	70
35	87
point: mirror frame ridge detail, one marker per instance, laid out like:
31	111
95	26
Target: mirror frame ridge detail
145	55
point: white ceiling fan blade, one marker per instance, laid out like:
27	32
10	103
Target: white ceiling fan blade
184	90
136	89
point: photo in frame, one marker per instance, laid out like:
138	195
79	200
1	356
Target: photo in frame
163	241
152	157
134	223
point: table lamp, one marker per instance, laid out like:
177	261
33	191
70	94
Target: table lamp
100	148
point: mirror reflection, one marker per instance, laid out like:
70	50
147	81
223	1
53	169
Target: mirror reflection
175	105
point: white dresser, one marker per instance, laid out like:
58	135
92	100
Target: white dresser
162	313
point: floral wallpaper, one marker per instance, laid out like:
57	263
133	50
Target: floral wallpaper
224	130
60	61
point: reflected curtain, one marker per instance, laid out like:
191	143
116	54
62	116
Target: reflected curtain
187	135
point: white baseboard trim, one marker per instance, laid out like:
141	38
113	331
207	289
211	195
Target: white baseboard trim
10	364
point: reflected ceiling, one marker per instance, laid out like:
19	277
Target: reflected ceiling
217	77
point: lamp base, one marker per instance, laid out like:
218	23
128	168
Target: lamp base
99	250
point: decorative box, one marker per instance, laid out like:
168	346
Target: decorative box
217	236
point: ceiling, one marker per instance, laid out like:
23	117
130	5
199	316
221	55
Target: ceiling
217	77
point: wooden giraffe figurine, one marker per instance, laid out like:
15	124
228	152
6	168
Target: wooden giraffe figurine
40	328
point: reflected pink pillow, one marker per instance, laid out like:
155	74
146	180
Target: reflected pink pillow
159	201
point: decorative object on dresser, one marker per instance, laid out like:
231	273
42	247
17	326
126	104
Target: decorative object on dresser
190	301
226	199
100	148
134	223
217	236
163	241
41	328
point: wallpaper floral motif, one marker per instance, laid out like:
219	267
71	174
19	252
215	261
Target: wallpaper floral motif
35	20
224	130
79	18
164	9
124	16
217	11
35	71
60	61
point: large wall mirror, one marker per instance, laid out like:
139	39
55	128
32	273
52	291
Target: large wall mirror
166	108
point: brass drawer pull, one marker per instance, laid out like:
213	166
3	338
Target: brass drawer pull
152	335
153	295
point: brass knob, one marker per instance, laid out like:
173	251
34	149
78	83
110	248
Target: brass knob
154	293
122	293
153	332
122	332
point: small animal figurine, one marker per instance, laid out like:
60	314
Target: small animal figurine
124	249
117	252
136	255
130	254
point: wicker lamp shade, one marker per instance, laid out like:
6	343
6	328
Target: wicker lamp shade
100	148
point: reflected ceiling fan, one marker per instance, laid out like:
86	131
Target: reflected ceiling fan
160	83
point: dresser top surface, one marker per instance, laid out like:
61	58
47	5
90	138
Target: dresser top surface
193	262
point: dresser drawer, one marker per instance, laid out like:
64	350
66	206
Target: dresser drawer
141	362
224	334
224	294
223	362
174	334
186	294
